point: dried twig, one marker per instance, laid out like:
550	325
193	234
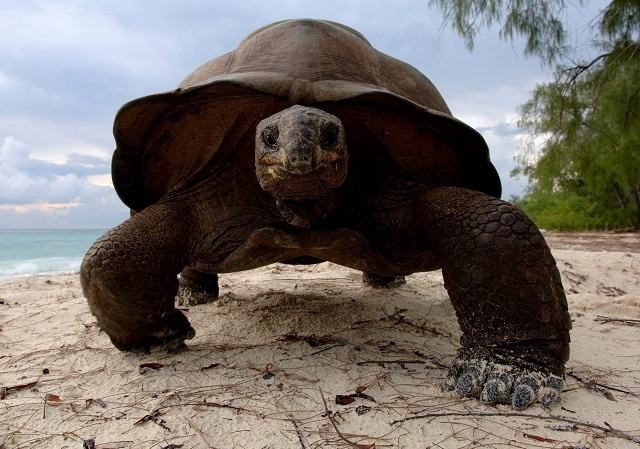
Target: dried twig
608	430
327	348
295	425
597	384
333	423
214	405
155	417
626	321
383	362
6	391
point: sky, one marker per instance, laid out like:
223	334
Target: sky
66	66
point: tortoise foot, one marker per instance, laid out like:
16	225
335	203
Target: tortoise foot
379	281
167	333
188	296
197	288
504	384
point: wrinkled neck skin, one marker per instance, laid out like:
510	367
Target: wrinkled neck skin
305	213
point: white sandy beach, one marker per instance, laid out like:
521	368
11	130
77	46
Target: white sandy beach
282	342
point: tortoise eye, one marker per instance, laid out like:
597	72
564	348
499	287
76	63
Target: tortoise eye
270	137
330	138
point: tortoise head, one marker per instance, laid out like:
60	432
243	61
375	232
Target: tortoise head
301	159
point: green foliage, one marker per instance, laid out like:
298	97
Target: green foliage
621	21
564	211
590	132
582	156
537	20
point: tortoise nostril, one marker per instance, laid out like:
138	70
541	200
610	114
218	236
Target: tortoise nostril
299	158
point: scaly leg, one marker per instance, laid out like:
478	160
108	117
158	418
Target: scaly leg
129	277
508	297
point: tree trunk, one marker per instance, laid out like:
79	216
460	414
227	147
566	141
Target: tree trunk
616	189
636	201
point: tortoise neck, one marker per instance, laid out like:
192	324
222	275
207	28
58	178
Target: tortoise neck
306	213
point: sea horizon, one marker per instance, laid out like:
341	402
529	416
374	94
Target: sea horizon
34	251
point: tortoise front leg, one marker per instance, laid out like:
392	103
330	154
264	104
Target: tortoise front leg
508	297
196	287
129	277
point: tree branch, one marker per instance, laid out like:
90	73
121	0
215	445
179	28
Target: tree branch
579	69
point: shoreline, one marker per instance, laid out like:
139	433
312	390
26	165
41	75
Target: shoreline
28	275
284	340
610	241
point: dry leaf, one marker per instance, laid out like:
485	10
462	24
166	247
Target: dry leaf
366	396
52	398
593	387
213	365
344	400
98	401
155	366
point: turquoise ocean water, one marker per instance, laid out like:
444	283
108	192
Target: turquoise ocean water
26	252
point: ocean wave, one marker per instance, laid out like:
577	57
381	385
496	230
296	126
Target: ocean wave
52	265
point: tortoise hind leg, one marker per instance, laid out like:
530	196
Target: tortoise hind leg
197	287
380	281
508	296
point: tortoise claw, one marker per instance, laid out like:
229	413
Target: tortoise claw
525	391
497	388
470	382
504	384
552	386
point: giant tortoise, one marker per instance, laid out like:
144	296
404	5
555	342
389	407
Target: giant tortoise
304	145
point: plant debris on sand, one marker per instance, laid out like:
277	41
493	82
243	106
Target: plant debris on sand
306	357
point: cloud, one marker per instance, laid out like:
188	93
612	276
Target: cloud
15	158
31	189
68	66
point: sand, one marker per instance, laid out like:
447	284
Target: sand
282	342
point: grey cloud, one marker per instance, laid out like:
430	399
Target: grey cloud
15	159
502	128
67	66
38	194
104	213
25	180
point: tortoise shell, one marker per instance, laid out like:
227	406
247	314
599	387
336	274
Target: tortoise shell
164	140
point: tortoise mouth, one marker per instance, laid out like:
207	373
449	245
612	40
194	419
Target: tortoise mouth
287	185
322	170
